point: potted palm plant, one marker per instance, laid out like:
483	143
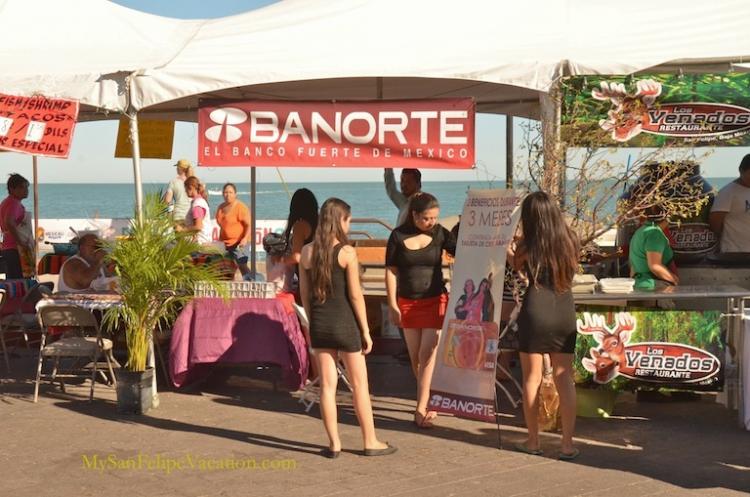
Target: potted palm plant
157	278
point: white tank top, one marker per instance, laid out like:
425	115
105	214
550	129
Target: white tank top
62	287
205	234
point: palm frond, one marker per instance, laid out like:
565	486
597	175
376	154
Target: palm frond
157	277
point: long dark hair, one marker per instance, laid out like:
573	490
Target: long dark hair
303	205
332	212
548	241
418	203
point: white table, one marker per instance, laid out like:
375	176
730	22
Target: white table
93	301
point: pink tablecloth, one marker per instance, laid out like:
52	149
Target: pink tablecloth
240	331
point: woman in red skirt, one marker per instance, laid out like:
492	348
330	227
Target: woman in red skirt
417	297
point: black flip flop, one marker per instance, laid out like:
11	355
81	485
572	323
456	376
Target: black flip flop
570	456
519	447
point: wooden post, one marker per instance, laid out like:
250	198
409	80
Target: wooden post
508	151
35	179
553	180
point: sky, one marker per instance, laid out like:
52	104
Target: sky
92	153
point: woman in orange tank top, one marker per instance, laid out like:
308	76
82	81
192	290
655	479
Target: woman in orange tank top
233	217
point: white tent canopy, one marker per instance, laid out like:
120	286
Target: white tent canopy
503	54
83	49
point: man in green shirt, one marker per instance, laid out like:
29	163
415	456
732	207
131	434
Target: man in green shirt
650	254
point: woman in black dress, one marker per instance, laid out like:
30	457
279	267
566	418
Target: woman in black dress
548	255
332	297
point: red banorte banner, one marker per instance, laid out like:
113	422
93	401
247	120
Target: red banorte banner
37	125
436	134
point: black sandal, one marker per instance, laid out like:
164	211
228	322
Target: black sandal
390	449
330	454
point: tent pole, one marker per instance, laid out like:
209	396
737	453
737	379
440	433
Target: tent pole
135	144
136	148
253	217
508	151
35	174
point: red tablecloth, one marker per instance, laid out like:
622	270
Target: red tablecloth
240	331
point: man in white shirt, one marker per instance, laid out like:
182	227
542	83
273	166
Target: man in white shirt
79	271
730	213
411	183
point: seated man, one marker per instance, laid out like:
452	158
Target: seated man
80	271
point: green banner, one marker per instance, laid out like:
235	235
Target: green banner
653	110
627	348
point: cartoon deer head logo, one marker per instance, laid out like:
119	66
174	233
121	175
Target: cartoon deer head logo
629	110
606	359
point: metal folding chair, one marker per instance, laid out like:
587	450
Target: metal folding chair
311	392
76	342
20	322
514	401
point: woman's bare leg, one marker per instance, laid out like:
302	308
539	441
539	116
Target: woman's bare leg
356	369
413	338
562	370
531	365
427	352
313	372
243	267
329	378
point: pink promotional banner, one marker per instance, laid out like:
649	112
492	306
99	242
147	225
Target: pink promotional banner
437	134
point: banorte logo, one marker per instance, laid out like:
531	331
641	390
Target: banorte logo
226	119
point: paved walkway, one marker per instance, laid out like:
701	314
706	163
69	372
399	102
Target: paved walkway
66	446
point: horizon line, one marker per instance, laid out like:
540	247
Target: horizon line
305	182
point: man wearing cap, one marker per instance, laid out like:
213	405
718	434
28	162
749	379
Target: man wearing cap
730	213
175	193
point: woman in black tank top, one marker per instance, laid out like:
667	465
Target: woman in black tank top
332	298
300	228
548	254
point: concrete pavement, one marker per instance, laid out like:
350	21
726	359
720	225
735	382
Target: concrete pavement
204	442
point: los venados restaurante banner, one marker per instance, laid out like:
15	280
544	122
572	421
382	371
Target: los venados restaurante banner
652	110
420	133
644	348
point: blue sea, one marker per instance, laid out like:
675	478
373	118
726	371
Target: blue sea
368	199
90	201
